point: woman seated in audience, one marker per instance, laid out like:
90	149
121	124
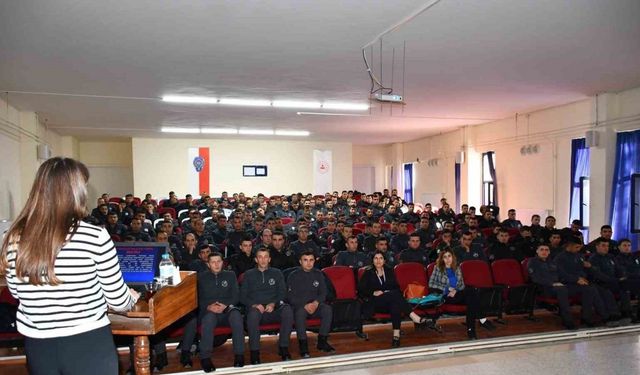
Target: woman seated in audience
381	293
447	279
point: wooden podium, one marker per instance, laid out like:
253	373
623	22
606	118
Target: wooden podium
169	304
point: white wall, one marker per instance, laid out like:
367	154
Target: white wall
159	165
110	164
376	156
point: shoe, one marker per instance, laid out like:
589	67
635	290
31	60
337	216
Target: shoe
587	323
362	335
488	325
160	361
207	365
255	357
612	323
238	360
323	344
395	343
471	334
570	325
185	359
283	351
624	321
304	348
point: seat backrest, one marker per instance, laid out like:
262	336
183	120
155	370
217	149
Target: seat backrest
343	281
287	220
407	273
410	228
430	268
170	210
476	273
487	232
6	297
360	226
114	200
525	269
361	272
507	272
357	231
137	201
116	238
513	233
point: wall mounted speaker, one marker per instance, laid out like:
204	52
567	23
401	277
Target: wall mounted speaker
592	138
44	152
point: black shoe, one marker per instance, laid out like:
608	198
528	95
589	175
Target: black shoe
570	325
304	348
587	323
395	343
185	359
488	325
238	360
613	322
160	361
471	334
362	335
323	344
255	357
207	365
283	351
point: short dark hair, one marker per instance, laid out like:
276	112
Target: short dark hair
624	240
414	234
606	226
215	254
307	252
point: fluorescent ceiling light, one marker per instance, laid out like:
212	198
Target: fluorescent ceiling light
246	102
293	133
346	106
295	104
255	131
169	129
219	131
189	99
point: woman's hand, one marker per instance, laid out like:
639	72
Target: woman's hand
452	292
378	293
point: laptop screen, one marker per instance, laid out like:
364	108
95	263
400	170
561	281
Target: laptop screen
139	261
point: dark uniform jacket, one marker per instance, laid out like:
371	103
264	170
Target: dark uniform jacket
543	272
629	264
399	242
296	248
241	262
570	267
604	269
474	253
414	256
304	287
504	251
281	259
263	287
221	287
355	259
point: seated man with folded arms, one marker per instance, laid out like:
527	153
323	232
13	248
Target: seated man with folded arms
544	272
608	275
572	271
467	250
218	297
307	292
263	292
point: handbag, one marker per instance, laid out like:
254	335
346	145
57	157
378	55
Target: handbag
414	290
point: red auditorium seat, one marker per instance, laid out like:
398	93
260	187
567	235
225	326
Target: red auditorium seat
518	296
360	226
286	220
477	274
407	273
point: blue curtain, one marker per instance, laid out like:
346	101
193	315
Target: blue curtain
457	183
408	183
492	172
627	163
580	157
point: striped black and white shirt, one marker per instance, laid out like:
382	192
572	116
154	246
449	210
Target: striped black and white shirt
88	268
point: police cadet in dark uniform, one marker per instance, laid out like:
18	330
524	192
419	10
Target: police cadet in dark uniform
303	243
263	292
218	297
608	275
544	272
467	250
352	257
572	270
502	249
243	260
414	253
629	262
280	258
307	292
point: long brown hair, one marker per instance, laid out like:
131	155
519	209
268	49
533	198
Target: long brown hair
440	260
55	206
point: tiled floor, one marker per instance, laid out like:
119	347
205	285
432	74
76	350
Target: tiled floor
611	356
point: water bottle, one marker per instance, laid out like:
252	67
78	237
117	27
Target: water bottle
166	270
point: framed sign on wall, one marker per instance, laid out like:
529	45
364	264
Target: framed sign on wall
254	171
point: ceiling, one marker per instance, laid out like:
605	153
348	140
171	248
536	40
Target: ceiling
466	62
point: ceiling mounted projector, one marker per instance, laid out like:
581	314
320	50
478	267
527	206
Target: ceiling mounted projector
389	98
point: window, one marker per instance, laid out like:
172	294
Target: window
488	179
254	170
408	182
584	201
635	203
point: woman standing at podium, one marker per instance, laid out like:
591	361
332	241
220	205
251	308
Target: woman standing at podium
65	273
